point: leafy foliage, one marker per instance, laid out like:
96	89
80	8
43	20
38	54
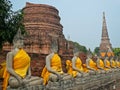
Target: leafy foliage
9	22
96	50
80	47
116	51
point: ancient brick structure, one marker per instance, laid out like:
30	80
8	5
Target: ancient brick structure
42	23
105	41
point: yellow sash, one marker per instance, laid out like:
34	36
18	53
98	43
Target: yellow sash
85	68
92	64
21	64
107	64
55	65
101	64
113	64
69	67
117	63
78	65
3	64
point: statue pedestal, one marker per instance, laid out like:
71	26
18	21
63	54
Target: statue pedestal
60	85
36	87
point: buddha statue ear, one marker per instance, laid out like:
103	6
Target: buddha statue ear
18	36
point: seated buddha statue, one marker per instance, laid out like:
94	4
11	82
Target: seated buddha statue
117	62
100	64
107	64
17	72
110	54
91	65
75	66
53	68
112	63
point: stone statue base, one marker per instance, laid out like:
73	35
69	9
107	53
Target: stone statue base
61	85
36	87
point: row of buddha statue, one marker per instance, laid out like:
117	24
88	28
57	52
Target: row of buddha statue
17	72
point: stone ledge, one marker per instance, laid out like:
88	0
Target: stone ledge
37	87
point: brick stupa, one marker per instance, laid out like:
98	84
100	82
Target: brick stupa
42	23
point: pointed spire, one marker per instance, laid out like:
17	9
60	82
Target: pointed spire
104	27
105	42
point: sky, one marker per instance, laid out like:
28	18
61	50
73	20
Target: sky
82	19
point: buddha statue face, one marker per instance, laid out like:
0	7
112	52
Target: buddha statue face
54	47
18	44
18	40
76	51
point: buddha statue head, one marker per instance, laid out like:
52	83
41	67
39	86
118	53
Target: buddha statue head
76	51
18	40
54	47
89	54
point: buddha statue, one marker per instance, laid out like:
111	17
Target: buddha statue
75	66
107	64
17	72
91	64
112	63
117	62
100	64
53	69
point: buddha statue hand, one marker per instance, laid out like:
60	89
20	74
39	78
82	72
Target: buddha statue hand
59	77
28	76
20	81
81	72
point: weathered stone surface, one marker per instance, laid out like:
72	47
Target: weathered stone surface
37	87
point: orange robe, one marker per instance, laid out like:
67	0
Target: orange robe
107	64
113	64
101	63
117	63
85	68
78	65
55	65
2	69
92	64
21	63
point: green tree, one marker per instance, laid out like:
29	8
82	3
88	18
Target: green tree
10	21
96	50
116	51
80	47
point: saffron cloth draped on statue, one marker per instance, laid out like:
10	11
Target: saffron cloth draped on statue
55	65
92	64
107	64
101	63
21	63
78	65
